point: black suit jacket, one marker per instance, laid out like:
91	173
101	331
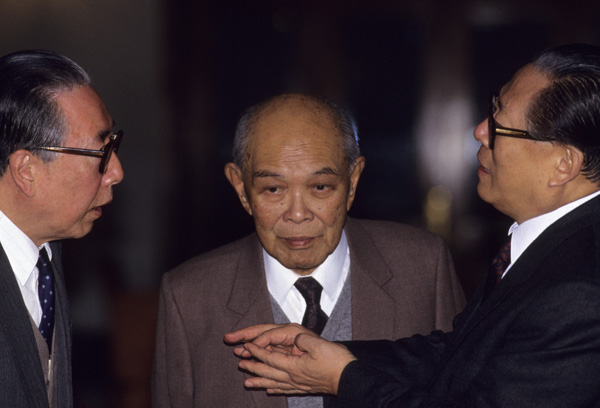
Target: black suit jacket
533	342
21	377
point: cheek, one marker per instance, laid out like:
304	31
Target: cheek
266	215
331	212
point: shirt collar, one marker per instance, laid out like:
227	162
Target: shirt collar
331	274
20	250
525	233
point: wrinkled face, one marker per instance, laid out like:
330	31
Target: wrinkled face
297	186
513	176
71	187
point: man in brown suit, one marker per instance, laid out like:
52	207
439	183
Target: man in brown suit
296	168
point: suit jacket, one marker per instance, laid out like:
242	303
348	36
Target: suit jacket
21	376
403	282
534	341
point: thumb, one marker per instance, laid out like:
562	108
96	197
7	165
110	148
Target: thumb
306	342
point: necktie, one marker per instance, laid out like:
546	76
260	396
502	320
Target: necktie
46	295
500	262
314	317
497	268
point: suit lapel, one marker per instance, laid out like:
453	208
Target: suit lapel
62	334
250	299
369	274
18	332
249	295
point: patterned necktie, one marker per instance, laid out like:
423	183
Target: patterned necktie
46	295
500	262
314	317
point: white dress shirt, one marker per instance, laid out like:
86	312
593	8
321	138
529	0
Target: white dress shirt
331	274
527	232
22	255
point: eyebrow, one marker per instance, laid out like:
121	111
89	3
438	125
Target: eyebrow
262	173
103	134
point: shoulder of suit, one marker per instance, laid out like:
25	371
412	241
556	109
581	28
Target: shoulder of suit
381	230
219	260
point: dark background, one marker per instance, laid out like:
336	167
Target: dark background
177	74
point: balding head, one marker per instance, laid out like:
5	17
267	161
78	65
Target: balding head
295	105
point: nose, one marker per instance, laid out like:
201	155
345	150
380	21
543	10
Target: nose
298	210
481	133
114	173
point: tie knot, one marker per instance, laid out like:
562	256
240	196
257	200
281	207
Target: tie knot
310	289
43	263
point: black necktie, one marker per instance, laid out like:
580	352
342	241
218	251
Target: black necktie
314	318
46	295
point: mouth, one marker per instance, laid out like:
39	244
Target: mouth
482	170
298	242
97	211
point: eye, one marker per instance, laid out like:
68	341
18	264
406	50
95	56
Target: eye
273	189
323	190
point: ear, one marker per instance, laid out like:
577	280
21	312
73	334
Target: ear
569	166
234	175
359	166
21	167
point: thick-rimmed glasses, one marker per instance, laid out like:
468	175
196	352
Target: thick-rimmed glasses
494	129
114	141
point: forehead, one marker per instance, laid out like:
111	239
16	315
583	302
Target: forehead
523	86
85	113
295	133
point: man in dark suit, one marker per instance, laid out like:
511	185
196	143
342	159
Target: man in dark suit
530	334
56	172
296	168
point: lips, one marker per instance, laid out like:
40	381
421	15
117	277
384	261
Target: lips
482	169
97	211
298	242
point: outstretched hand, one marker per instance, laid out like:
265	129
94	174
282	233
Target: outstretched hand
291	359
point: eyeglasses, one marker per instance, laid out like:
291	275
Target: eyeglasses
114	141
494	129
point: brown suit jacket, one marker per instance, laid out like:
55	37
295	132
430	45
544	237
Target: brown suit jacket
403	282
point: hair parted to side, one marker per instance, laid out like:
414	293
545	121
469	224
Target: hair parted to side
568	110
341	118
29	114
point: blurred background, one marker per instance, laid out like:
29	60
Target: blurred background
177	74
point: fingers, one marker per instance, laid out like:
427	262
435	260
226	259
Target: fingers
275	359
275	381
280	336
272	387
265	371
248	333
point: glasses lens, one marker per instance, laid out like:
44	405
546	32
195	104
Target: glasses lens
111	146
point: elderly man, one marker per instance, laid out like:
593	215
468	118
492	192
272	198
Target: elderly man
297	166
57	170
530	335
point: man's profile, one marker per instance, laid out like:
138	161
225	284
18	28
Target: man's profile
58	165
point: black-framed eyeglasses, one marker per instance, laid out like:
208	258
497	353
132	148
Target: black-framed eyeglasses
494	129
114	141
